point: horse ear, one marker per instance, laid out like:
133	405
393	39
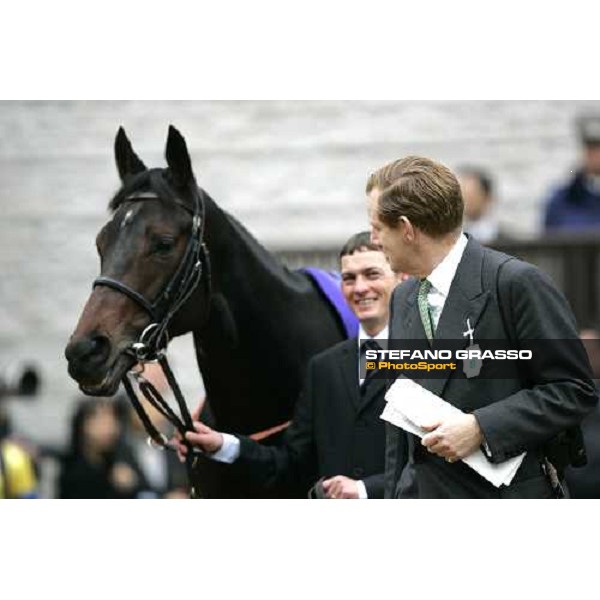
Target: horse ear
128	162
178	158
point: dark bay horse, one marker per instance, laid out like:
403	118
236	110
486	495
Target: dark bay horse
255	323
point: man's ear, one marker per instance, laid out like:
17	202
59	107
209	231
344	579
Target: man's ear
128	162
408	230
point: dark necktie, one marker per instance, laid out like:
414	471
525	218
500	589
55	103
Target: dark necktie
424	287
368	345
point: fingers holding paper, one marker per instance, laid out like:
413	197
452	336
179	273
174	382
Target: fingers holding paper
453	438
450	433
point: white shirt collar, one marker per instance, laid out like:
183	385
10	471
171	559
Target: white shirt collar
363	335
441	277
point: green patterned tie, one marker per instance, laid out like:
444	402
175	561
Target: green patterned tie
424	287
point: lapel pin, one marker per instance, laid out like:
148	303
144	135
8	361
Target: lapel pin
471	366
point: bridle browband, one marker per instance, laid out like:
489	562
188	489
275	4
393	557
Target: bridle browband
153	341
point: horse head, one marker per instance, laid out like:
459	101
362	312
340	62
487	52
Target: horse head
150	262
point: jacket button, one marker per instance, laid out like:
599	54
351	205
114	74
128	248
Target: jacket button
358	472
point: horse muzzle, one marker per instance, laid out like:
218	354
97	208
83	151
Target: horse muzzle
92	366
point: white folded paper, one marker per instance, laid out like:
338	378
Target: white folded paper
410	406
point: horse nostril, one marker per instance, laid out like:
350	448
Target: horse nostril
100	347
90	349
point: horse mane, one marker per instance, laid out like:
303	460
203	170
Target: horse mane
156	181
159	181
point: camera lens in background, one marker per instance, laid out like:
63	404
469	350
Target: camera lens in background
19	379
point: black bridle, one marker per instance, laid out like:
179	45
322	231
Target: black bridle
178	289
153	341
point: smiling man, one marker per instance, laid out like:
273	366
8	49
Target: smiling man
336	435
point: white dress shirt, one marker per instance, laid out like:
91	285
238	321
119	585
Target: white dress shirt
441	279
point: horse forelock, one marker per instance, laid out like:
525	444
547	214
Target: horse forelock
153	180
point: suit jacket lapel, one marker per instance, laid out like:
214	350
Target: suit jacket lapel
407	314
373	390
349	371
466	300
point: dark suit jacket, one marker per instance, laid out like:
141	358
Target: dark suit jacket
517	413
584	482
334	431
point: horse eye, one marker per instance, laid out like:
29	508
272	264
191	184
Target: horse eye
164	246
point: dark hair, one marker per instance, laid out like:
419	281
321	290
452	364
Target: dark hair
359	242
483	177
424	191
85	408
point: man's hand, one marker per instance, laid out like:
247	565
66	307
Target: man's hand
176	441
205	438
340	487
454	438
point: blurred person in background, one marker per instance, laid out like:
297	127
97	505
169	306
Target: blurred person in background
479	213
91	467
575	205
18	468
159	474
584	482
18	477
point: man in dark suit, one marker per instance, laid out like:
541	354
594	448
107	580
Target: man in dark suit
463	291
336	434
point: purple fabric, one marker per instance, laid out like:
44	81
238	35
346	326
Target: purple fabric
329	283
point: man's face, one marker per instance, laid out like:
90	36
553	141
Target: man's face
367	284
390	240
